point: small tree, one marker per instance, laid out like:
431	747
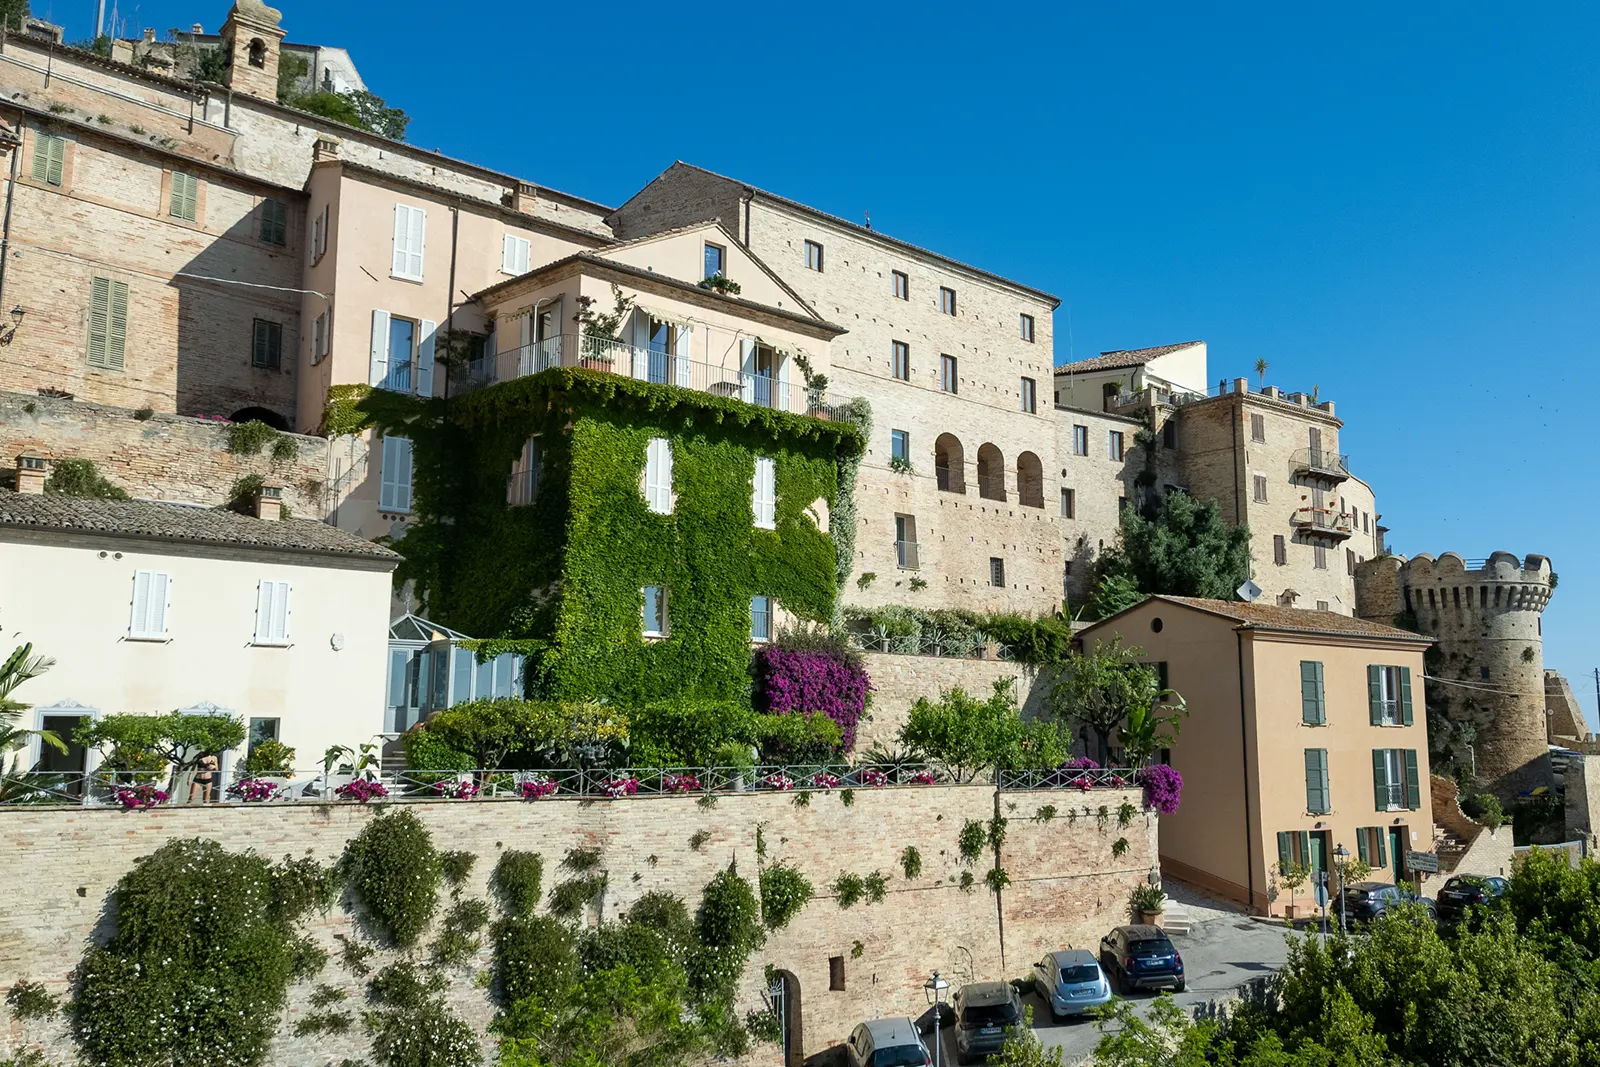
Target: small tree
1099	689
178	740
20	666
1293	875
968	736
604	325
1179	547
1261	371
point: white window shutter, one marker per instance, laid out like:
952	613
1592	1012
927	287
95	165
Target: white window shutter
148	617
160	601
403	476
378	369
402	240
763	496
419	220
747	370
508	255
658	476
264	591
138	619
781	401
425	358
394	480
280	612
641	344
685	352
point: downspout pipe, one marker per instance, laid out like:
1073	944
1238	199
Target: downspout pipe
450	294
1244	757
5	228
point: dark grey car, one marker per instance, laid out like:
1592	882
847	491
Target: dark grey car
987	1015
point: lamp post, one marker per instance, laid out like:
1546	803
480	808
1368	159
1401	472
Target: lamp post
934	988
1340	855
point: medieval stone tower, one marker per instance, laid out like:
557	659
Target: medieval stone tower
1486	687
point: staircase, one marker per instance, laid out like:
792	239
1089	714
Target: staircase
1450	848
1175	918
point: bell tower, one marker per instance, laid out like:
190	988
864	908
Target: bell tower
251	38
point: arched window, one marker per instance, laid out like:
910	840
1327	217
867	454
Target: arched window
991	473
258	52
950	464
1030	481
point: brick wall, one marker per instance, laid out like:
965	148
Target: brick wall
1067	888
164	457
900	681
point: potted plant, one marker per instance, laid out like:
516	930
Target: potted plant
1148	903
1293	876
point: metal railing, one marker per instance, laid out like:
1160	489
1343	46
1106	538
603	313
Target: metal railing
1320	461
660	366
906	555
137	790
1322	520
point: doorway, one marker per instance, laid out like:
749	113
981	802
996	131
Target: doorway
1397	852
71	764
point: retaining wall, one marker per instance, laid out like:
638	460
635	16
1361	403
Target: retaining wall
899	681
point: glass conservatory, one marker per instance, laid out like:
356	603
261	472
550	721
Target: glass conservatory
429	670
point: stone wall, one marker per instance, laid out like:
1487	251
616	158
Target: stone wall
1565	716
1067	887
163	457
899	681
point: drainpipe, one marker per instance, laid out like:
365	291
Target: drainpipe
5	228
450	294
1244	756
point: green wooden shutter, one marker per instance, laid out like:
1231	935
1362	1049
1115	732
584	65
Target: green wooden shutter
49	158
1375	693
1380	781
1361	846
1283	850
1383	858
1405	695
185	197
117	326
99	315
1313	707
1413	790
1305	848
1317	780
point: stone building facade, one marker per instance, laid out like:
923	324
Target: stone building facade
1486	688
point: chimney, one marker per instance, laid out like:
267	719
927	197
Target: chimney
30	474
269	502
325	148
197	28
524	198
1241	385
150	35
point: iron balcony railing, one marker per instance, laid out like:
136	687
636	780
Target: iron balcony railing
906	555
1320	463
1322	520
646	364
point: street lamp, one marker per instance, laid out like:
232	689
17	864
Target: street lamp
1340	855
934	988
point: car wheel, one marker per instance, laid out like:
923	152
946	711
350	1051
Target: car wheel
1124	983
1179	988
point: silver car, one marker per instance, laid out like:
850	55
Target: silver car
1071	982
886	1043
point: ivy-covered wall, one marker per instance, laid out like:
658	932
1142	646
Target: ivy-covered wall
562	577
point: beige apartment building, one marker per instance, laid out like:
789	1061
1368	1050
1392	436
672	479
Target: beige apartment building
1307	731
951	358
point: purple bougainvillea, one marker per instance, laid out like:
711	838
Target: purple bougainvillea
812	680
1163	787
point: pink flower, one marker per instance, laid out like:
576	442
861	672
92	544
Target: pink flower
254	790
140	797
922	778
779	781
875	779
362	790
620	787
537	787
457	789
680	783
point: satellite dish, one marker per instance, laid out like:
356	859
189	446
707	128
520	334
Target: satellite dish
1249	592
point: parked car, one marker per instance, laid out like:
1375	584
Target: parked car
886	1043
1071	982
1363	902
1141	957
987	1015
1465	890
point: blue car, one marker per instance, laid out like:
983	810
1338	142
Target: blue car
1142	958
1071	983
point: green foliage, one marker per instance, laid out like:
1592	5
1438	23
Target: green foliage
847	889
207	967
1184	547
395	872
414	1028
968	736
1147	898
355	956
875	886
1538	819
249	438
961	633
535	956
1109	690
996	878
1125	813
292	67
175	738
1045	813
910	862
269	759
29	1000
784	892
996	834
456	867
1484	809
318	1023
698	839
569	898
358	108
1119	848
971	840
457	941
606	325
81	478
12	12
967	881
516	881
706	733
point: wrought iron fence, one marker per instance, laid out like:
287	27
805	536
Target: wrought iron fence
1082	778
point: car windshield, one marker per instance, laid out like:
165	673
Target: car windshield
1143	949
1083	972
899	1056
989	1015
1354	893
1464	885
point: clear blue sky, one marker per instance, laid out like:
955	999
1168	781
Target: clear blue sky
1399	208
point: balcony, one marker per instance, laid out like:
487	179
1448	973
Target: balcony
906	555
1322	522
646	364
1316	463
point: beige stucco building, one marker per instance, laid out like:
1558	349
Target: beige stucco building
1307	731
151	608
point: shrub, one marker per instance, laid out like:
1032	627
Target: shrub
535	955
269	759
1163	787
813	680
848	889
395	871
804	737
730	915
1485	810
688	733
910	862
971	841
29	1000
517	880
81	478
1147	898
784	892
456	867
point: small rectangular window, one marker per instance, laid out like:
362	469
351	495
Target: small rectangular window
319	337
716	260
108	323
947	300
1027	328
515	254
274	222
900	445
1280	550
1258	428
902	285
905	542
1260	482
152	596
836	973
655	610
1366	522
761	618
948	380
272	613
658	475
1030	396
1320	559
266	348
1350	562
49	158
813	256
1118	447
1322	605
319	234
185	201
900	357
1080	440
1122	504
764	493
997	572
394	485
261	730
1069	504
522	488
1169	434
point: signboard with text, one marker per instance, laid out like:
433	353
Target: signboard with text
1425	862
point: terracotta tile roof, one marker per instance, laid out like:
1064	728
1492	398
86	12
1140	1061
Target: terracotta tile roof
1296	620
1123	357
151	520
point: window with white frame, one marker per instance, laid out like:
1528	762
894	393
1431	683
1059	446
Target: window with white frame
402	354
655	610
272	613
761	618
152	599
394	478
523	485
657	485
515	254
764	493
410	224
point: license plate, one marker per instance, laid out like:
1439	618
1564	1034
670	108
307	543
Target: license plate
989	1030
